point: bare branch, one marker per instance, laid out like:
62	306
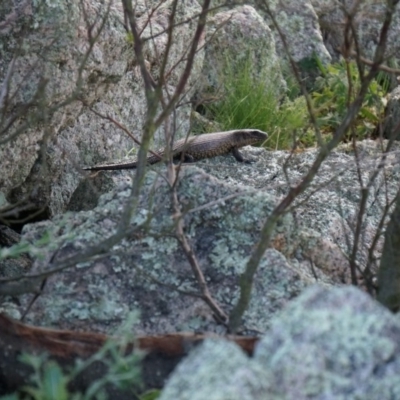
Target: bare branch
246	279
178	217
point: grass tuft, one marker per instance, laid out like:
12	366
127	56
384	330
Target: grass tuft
251	101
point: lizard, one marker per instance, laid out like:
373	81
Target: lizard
198	147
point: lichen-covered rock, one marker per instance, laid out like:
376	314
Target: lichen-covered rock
299	23
332	344
367	23
317	243
143	269
54	41
327	212
110	82
234	38
218	370
316	27
335	343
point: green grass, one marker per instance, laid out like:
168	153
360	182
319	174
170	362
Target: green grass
250	102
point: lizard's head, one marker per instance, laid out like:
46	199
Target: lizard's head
251	136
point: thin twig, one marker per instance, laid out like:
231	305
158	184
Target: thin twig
246	279
206	295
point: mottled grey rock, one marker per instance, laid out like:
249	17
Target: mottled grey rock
326	214
367	23
391	128
56	33
234	37
218	370
328	344
300	25
333	343
111	84
316	27
141	271
315	245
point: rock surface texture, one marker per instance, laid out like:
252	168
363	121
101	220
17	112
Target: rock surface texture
239	38
110	83
148	268
225	210
40	158
333	343
123	244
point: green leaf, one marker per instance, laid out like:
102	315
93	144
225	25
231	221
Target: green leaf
320	65
366	113
54	382
152	394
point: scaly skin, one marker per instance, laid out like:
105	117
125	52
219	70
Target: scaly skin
198	147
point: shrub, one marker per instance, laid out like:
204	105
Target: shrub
337	87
